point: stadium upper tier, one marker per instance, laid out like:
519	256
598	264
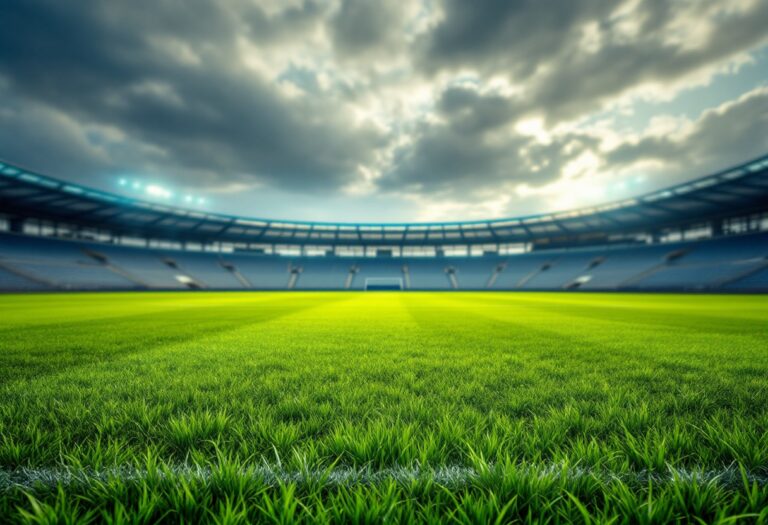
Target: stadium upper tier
740	190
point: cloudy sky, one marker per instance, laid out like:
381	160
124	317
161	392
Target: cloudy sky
384	110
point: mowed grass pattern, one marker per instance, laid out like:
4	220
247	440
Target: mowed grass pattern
383	407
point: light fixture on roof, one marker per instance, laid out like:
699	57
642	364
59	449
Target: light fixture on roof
155	191
158	191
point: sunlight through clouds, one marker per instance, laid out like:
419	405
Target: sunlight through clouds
443	107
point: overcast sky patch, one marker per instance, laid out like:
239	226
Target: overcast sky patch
384	111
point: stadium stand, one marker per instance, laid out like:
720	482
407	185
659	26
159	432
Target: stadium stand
11	281
33	263
432	274
708	264
477	274
757	281
208	270
145	267
262	272
710	234
52	263
618	267
560	271
321	273
519	269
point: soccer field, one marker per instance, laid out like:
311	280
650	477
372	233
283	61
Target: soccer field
369	407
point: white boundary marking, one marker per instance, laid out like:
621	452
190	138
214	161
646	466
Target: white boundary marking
451	476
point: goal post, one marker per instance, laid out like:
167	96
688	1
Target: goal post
383	283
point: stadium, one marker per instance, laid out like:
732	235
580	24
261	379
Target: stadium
705	235
374	261
251	405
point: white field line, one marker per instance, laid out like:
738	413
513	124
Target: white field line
449	476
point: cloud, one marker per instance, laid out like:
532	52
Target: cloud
668	151
454	103
366	27
60	143
731	133
475	143
568	168
563	62
576	57
100	65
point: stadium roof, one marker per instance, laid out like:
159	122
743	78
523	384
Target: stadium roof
739	190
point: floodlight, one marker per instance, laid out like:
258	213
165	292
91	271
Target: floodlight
158	191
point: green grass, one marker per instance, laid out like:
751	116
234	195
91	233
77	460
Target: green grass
373	407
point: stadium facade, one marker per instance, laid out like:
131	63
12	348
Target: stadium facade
710	234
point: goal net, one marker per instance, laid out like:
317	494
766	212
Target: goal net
383	283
